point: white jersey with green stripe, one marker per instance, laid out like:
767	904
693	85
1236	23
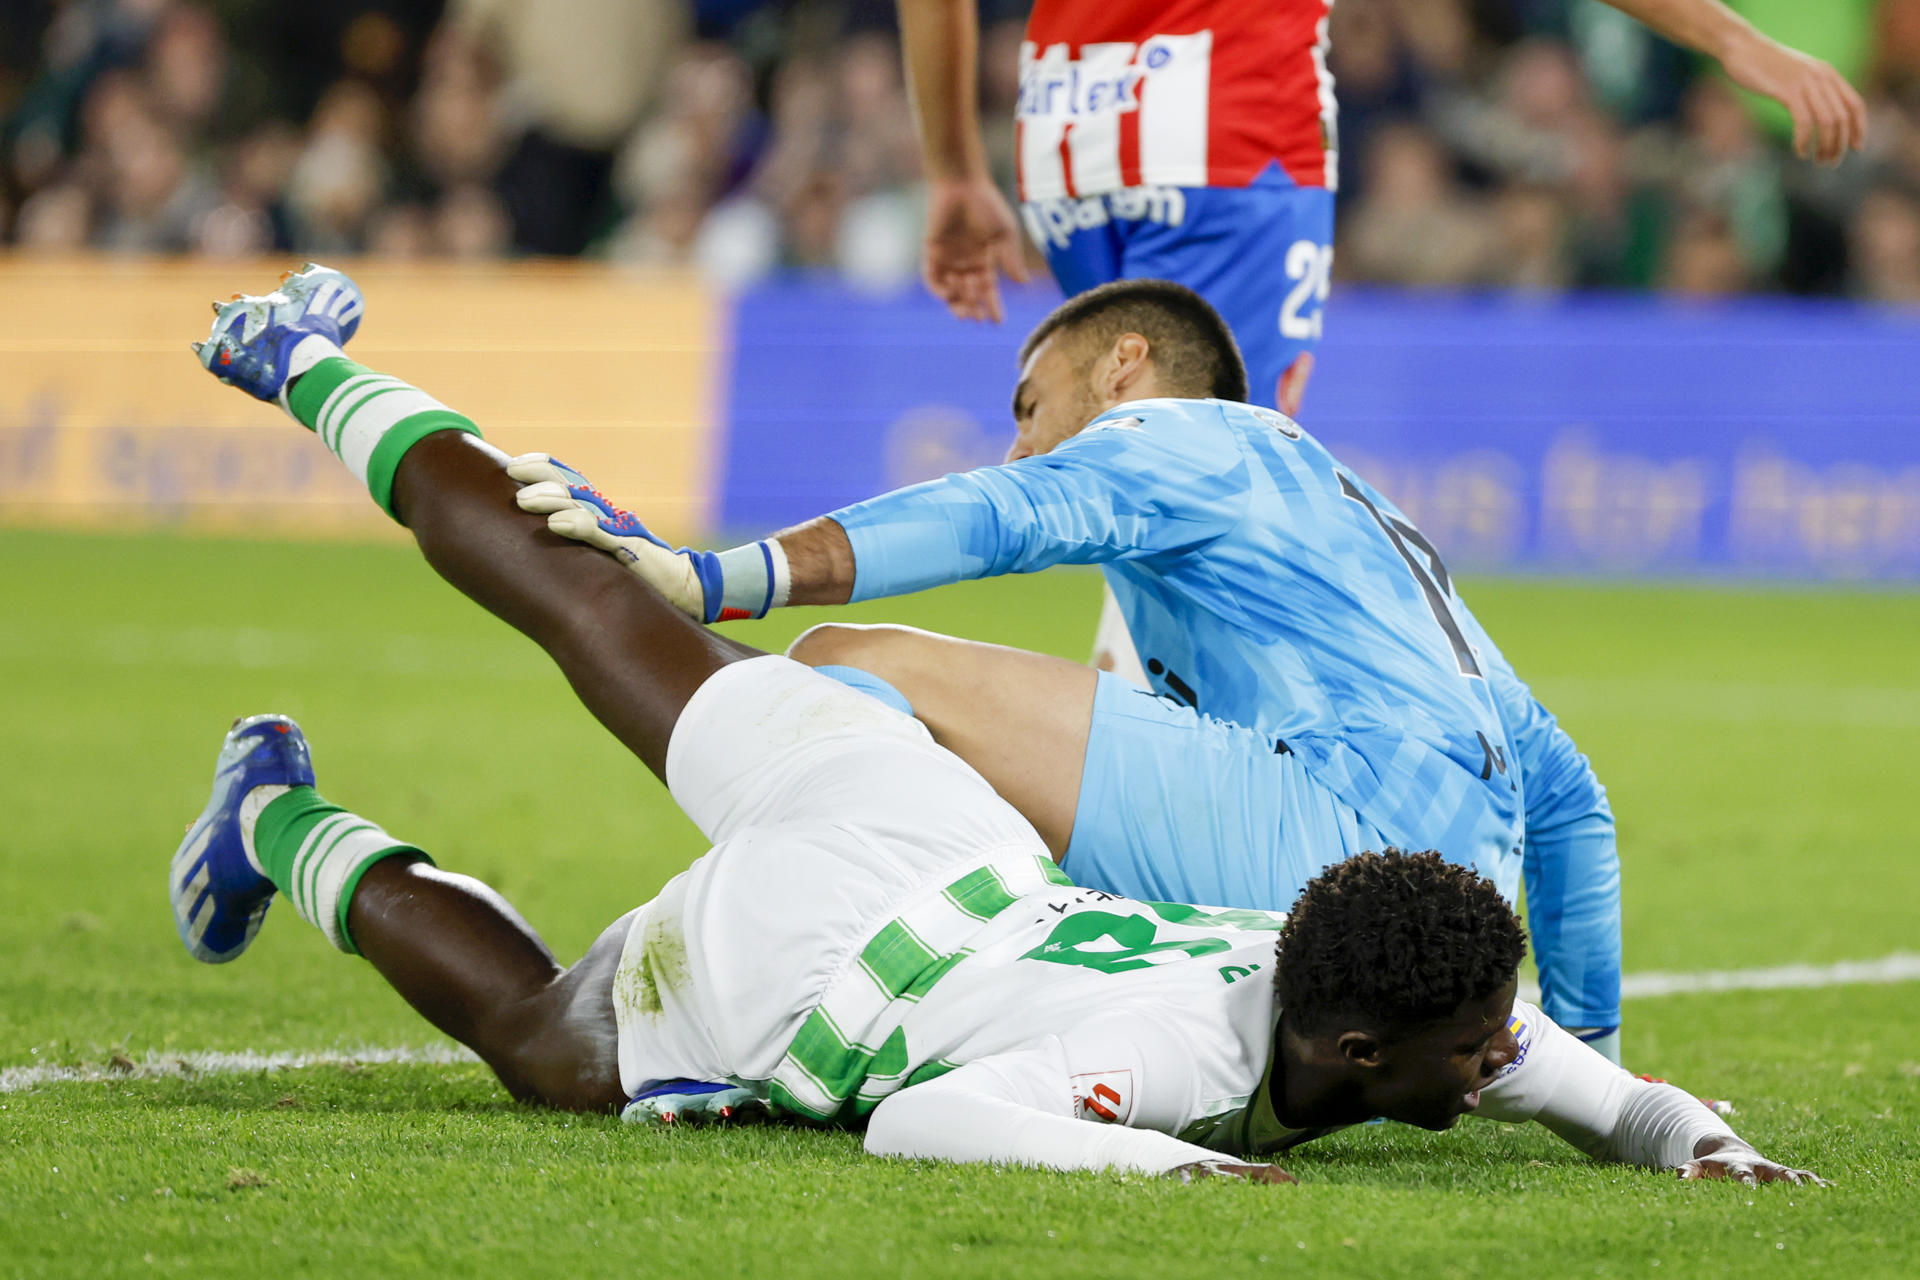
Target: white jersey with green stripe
1165	1011
1153	1021
872	914
878	937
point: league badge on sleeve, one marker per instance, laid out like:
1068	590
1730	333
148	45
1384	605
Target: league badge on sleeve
1522	1031
1103	1096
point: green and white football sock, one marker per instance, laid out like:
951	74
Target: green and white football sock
314	852
368	419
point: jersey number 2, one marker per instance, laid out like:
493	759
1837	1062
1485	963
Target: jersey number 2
1431	576
1310	266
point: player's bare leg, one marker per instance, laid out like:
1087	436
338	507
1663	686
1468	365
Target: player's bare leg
1020	719
468	963
633	658
452	947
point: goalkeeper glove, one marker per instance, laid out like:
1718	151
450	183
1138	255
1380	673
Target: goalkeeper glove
709	586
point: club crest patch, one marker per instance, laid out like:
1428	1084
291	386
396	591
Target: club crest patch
1279	422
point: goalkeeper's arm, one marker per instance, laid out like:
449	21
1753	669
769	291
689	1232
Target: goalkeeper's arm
1082	503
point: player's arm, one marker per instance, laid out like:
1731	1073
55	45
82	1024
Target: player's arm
1109	493
1572	870
1611	1115
1017	1108
1829	116
971	231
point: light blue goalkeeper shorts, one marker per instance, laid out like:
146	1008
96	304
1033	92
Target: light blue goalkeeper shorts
1176	806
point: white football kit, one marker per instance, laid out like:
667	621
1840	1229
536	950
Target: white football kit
877	936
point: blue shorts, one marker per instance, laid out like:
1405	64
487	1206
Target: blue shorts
1176	806
1261	254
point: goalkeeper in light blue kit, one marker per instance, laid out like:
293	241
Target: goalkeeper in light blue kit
1319	687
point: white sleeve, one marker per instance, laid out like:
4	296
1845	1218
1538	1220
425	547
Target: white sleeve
1592	1103
1017	1108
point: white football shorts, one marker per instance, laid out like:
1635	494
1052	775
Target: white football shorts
831	814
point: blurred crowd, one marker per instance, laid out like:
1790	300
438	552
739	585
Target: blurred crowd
1531	144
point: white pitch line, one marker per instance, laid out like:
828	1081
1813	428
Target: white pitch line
186	1066
1901	966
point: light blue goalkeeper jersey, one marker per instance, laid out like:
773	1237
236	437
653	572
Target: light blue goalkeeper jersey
1266	584
1263	583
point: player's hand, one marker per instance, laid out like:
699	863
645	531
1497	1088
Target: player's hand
1731	1158
575	509
1829	117
1228	1169
972	236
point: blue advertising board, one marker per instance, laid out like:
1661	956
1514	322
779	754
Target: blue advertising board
1763	437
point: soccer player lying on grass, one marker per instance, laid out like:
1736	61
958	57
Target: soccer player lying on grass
876	936
1323	687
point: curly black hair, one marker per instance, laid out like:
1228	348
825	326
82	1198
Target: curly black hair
1396	940
1192	346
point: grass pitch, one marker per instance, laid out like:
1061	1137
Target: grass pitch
1760	748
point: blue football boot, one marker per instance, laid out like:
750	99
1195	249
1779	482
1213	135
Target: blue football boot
219	899
254	337
695	1103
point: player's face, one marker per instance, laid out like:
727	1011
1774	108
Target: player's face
1055	398
1433	1078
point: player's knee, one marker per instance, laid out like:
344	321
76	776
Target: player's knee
545	1051
829	644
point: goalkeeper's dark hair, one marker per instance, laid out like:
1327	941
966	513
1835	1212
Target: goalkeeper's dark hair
1193	349
1396	941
